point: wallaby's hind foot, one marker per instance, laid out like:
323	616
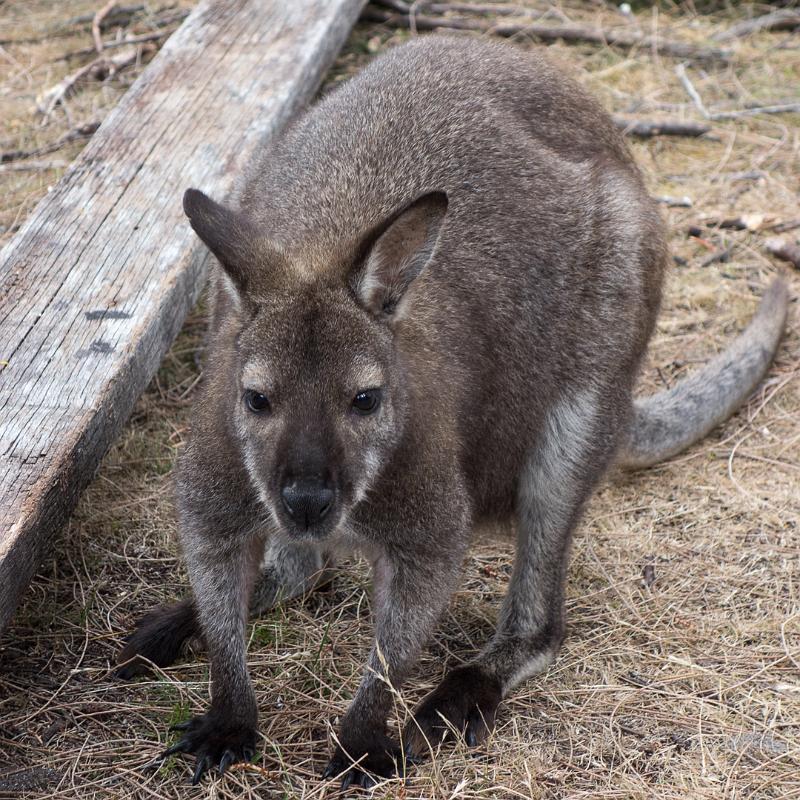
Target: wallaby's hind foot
466	700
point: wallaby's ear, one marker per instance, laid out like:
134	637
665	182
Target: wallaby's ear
226	233
396	253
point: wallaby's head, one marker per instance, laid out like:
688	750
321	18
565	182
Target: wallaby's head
322	399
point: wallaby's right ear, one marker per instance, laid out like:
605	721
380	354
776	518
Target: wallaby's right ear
226	233
397	252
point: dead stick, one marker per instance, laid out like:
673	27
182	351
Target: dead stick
401	6
683	76
778	108
550	33
100	68
645	129
782	20
486	8
768	108
784	227
723	254
32	166
120	16
101	14
80	132
784	250
129	39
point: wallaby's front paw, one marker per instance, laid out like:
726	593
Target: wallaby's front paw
214	742
363	760
465	700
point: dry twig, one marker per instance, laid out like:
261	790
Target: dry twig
80	132
767	108
783	19
784	227
674	202
101	14
487	8
32	166
776	108
550	33
645	129
99	69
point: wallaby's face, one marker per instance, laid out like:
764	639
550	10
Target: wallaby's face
319	406
320	401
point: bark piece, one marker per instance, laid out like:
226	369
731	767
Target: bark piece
99	278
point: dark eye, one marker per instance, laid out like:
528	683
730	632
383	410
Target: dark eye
367	402
256	402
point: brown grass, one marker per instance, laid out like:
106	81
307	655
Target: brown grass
680	676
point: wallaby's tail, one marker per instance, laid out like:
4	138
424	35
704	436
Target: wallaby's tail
670	421
159	638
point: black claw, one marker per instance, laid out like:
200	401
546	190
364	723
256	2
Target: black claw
472	739
180	747
181	726
367	781
227	759
248	753
348	779
329	772
202	764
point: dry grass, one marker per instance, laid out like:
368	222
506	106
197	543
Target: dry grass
680	676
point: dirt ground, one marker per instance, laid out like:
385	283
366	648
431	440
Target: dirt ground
680	675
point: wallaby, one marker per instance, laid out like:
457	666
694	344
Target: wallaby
433	297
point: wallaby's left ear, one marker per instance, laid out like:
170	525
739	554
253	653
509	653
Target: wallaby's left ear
395	254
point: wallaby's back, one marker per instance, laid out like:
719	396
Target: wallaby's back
549	268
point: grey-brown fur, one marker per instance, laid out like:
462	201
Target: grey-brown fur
462	227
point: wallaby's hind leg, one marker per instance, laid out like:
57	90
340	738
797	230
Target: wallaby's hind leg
287	571
574	447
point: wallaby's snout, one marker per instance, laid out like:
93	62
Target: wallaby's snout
307	501
308	473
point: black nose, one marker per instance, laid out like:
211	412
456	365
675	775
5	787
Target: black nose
307	501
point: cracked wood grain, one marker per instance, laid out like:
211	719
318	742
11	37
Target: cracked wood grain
97	282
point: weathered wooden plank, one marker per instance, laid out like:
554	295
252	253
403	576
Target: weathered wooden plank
96	284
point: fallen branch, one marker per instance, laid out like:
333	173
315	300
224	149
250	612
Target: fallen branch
80	132
32	166
674	202
496	9
99	69
101	14
784	19
778	108
722	255
745	222
683	76
768	108
784	250
551	33
162	25
645	129
120	15
784	227
126	40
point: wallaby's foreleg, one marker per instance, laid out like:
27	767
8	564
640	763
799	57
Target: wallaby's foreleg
287	571
222	568
575	446
409	596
